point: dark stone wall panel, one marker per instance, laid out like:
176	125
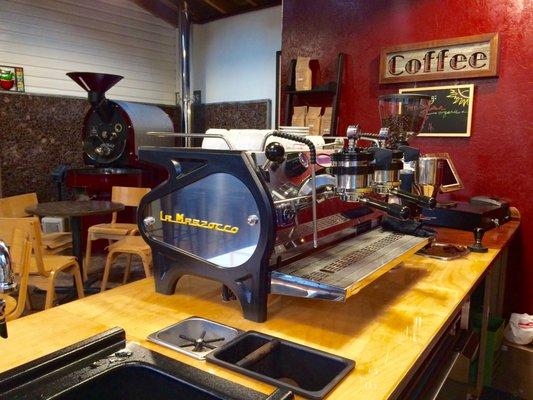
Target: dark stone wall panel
37	133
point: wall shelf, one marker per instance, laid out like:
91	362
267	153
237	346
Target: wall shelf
330	89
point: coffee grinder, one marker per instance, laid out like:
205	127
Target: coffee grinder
401	174
402	118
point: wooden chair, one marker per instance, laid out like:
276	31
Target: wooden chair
130	245
113	231
15	207
20	251
45	265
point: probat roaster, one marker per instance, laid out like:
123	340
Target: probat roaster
270	221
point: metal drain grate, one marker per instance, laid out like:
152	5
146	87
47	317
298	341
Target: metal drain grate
316	276
344	266
194	336
352	258
321	224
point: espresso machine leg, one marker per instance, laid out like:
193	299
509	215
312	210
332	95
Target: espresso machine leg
227	294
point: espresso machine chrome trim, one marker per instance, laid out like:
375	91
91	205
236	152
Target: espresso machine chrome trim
428	171
192	135
312	153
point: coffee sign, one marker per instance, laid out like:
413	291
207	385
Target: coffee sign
463	57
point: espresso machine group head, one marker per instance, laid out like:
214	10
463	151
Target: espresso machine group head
385	174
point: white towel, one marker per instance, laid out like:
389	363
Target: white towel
252	139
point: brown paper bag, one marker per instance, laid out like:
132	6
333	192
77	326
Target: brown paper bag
298	116
312	120
325	123
304	75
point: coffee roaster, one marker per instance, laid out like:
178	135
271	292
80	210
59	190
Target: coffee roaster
112	132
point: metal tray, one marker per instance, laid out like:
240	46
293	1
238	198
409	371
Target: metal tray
444	251
303	370
193	328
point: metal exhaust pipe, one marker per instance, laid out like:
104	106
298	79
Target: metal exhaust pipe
184	59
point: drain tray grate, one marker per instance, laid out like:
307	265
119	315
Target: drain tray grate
342	270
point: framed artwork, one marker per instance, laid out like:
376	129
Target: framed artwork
11	79
450	113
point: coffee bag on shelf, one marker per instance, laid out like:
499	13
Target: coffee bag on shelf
325	123
303	74
313	119
298	116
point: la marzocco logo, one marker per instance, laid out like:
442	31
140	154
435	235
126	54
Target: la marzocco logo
198	223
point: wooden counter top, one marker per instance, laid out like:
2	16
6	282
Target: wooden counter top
386	328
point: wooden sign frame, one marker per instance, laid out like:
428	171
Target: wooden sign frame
492	38
422	90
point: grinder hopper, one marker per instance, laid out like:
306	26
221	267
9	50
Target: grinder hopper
403	115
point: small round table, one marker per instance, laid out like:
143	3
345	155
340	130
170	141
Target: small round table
74	210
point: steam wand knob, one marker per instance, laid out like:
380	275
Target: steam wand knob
275	152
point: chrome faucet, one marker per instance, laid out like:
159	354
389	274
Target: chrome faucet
7	284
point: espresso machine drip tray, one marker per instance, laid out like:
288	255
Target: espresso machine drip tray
195	337
341	271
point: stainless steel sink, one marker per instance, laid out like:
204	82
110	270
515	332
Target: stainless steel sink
107	367
135	381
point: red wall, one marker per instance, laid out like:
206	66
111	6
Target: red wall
497	159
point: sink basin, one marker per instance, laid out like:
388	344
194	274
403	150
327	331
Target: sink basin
133	381
107	367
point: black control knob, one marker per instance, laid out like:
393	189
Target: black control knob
275	152
296	164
